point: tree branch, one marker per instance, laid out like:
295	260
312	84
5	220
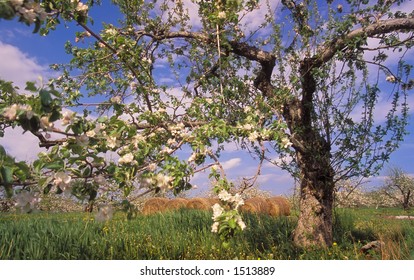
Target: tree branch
328	51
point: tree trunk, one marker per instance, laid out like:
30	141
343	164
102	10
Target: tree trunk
314	226
406	200
313	156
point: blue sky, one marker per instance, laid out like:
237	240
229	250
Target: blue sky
25	56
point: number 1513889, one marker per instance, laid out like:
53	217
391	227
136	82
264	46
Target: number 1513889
253	270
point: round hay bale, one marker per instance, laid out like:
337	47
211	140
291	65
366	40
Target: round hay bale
154	205
282	203
274	209
213	201
175	204
256	205
199	203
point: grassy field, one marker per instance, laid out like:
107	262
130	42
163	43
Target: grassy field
185	234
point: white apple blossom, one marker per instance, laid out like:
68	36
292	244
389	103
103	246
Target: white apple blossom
11	112
45	124
248	109
217	210
237	201
240	222
171	142
82	7
214	227
167	150
67	118
192	157
116	99
152	167
105	213
247	127
222	15
91	133
28	14
99	127
137	139
161	111
133	85
391	79
27	201
214	167
147	60
286	143
224	195
164	181
127	158
61	178
112	142
254	136
177	129
111	31
62	181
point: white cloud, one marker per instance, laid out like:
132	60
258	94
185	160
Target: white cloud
231	163
253	20
189	7
18	67
23	147
277	182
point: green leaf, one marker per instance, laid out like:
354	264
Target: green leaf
47	189
2	152
92	194
34	123
6	175
45	98
38	24
55	116
54	165
55	93
232	223
30	86
86	172
23	171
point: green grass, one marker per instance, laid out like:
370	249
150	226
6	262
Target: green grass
186	234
